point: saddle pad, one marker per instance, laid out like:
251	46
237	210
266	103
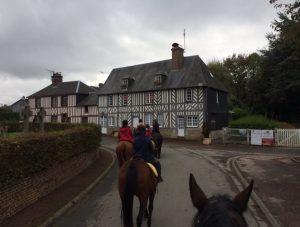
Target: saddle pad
153	169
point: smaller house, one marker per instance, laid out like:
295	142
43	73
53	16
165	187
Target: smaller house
18	106
70	101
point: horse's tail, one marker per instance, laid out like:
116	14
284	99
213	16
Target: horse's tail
127	202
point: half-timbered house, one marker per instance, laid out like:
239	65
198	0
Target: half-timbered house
180	93
72	101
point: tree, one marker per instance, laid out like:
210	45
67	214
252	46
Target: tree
281	65
239	73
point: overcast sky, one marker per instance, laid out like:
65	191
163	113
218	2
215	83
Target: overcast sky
86	39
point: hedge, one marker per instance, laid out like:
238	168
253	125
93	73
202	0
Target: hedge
35	127
32	153
9	116
254	122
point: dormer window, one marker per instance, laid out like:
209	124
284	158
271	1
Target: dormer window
157	80
124	84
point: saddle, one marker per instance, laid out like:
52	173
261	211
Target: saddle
151	166
153	169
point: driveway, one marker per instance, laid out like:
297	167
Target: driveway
172	205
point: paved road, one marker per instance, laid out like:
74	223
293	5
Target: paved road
172	205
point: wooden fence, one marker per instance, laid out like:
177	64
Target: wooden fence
287	137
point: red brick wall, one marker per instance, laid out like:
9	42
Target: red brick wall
29	190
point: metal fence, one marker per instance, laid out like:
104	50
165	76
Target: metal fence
234	135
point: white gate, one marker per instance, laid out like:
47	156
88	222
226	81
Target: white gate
135	121
287	137
180	126
103	123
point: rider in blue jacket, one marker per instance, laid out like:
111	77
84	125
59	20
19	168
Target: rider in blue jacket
143	148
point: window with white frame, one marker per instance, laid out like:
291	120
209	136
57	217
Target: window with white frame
148	119
54	101
110	121
149	97
125	99
192	121
188	95
160	119
110	100
38	103
217	97
64	100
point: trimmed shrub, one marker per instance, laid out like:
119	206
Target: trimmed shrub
9	116
238	113
32	153
35	127
254	122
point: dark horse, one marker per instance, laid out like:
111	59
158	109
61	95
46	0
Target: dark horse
124	151
219	211
136	178
158	140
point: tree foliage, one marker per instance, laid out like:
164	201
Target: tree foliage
268	82
281	65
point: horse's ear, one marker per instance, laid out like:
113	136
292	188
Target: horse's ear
198	197
242	198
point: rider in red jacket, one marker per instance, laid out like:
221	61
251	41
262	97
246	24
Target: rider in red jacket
148	132
125	133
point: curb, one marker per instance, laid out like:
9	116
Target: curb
62	210
242	181
254	196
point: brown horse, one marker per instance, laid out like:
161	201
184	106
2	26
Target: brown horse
124	151
136	178
219	211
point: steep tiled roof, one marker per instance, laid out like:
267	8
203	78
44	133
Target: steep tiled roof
193	73
64	88
91	100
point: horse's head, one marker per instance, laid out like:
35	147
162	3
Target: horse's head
219	211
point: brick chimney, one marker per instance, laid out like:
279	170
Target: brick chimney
56	78
177	56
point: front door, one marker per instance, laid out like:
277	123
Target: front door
180	126
103	123
135	122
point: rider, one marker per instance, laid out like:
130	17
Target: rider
143	149
135	130
155	127
148	132
125	133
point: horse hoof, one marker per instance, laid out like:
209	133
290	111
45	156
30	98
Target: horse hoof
146	215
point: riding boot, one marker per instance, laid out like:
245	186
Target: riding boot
158	168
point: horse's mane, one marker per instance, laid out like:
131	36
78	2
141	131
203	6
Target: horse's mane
216	213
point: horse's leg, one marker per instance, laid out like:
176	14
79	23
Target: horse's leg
140	217
150	208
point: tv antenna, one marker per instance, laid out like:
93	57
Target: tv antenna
184	40
50	71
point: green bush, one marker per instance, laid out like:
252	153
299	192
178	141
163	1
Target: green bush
9	116
254	122
34	152
238	113
35	127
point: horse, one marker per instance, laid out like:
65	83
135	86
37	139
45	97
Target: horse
219	211
136	178
124	151
158	140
